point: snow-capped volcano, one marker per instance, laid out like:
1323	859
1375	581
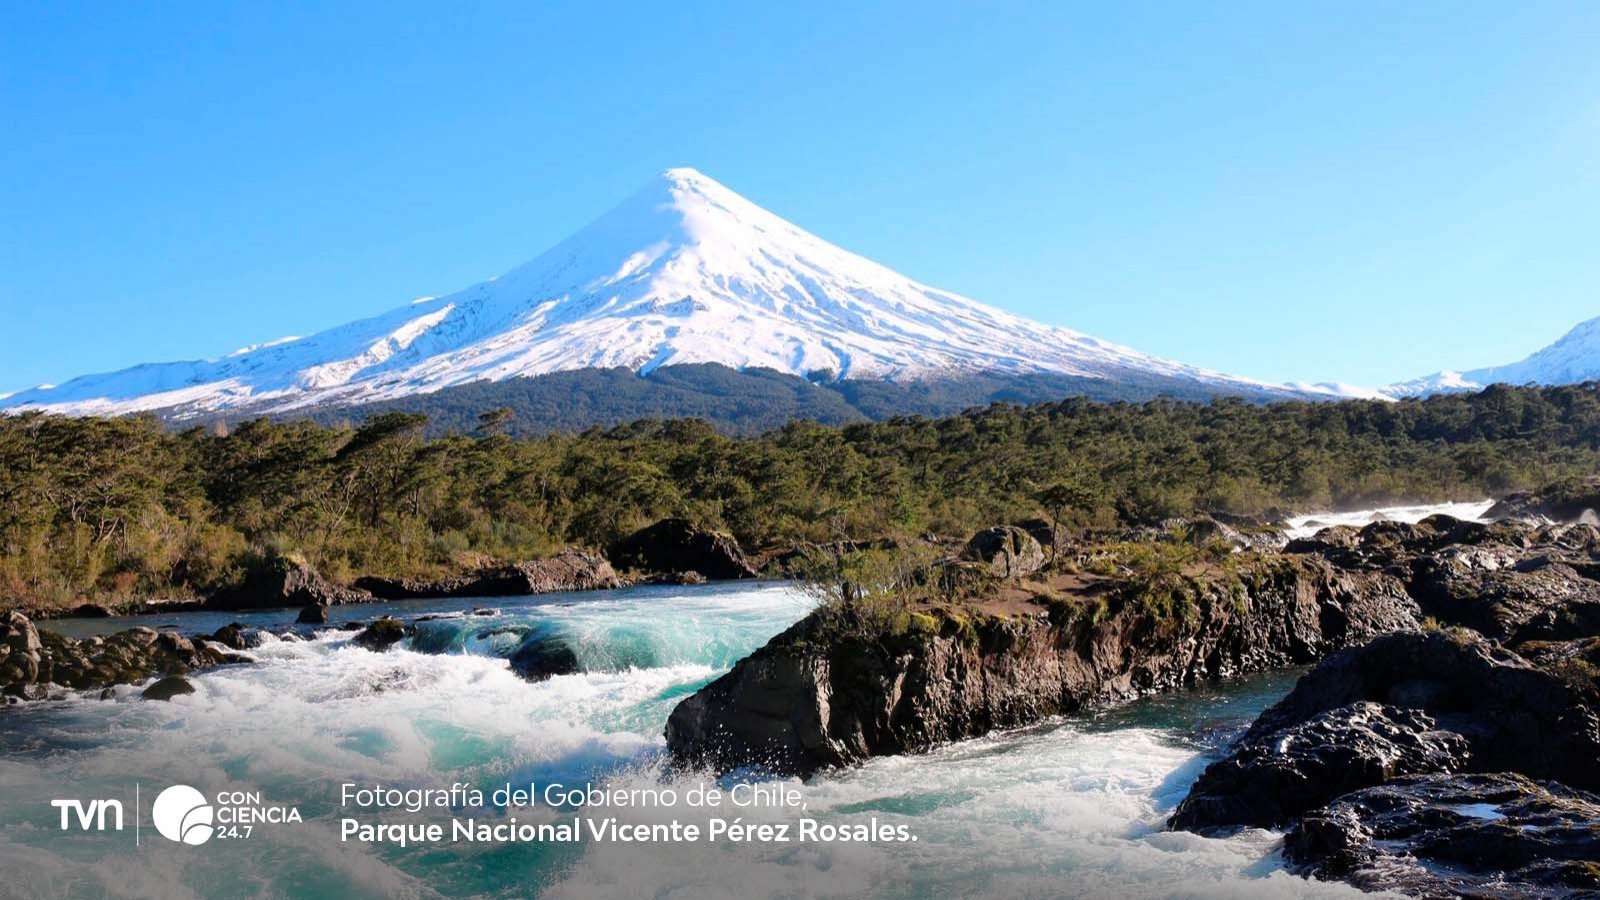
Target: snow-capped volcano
684	271
1573	359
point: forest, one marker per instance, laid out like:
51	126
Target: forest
109	509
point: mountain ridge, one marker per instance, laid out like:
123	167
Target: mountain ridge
1573	358
684	271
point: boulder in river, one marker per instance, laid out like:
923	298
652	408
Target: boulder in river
382	634
543	657
167	688
314	614
678	545
239	636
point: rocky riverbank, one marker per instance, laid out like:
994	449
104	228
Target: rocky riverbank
1459	700
35	665
844	685
672	551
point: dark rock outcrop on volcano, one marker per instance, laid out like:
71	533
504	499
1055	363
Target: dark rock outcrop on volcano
569	570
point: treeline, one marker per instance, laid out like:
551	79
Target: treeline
115	508
743	402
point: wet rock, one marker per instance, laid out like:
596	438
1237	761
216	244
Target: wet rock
382	634
1007	551
690	577
1514	716
569	570
1484	835
238	636
315	614
543	657
1507	596
284	581
167	688
1279	775
31	660
678	545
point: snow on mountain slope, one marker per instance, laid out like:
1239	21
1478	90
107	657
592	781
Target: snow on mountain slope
1572	359
685	271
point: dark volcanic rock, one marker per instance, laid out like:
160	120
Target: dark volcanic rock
831	691
1563	501
569	570
1007	551
1489	835
1515	717
30	660
1279	775
284	581
1494	591
239	636
542	657
167	688
315	614
20	651
383	634
678	545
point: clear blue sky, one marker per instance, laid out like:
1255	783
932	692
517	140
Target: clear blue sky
1356	192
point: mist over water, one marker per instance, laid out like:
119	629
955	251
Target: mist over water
1073	807
1309	524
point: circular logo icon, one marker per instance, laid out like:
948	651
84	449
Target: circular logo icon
182	814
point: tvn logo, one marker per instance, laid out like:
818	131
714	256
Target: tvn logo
89	816
180	814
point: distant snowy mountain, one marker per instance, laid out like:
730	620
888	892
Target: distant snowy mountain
685	271
1573	359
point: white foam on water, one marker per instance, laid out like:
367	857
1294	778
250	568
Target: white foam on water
1055	811
1311	523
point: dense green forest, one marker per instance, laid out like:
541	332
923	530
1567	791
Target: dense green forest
743	401
115	508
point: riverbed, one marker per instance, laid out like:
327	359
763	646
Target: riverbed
1068	807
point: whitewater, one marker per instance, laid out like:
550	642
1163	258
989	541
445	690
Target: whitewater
1072	806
